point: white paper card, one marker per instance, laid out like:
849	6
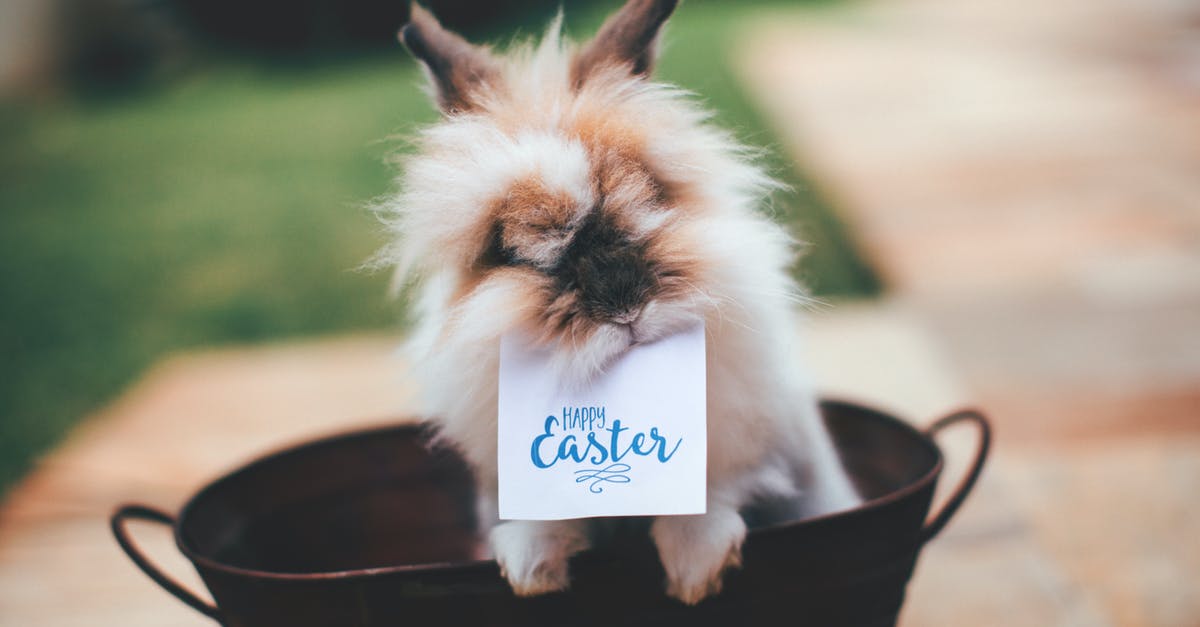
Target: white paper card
631	444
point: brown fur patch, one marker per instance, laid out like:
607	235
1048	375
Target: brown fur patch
520	219
617	149
529	212
677	266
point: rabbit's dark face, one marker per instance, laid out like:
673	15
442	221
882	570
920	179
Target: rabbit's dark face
592	238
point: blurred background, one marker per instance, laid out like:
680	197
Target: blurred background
192	172
1001	200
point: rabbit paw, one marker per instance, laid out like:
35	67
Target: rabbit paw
697	550
533	555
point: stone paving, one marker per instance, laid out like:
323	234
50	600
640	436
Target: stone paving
1024	176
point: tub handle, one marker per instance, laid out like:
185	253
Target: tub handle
935	524
121	532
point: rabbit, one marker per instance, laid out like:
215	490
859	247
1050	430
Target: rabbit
566	193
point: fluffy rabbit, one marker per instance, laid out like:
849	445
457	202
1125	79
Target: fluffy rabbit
566	193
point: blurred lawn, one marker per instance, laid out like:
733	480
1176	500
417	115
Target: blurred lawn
229	207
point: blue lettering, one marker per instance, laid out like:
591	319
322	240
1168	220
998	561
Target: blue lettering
535	450
568	449
661	444
636	445
596	451
601	455
616	430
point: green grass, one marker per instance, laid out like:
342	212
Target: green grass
229	208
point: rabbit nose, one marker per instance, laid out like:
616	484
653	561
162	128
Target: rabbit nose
629	316
609	272
613	284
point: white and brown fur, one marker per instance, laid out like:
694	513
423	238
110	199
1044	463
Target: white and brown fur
566	193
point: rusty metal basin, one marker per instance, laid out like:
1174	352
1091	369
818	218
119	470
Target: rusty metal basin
373	528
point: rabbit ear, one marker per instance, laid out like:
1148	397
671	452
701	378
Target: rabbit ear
458	69
628	38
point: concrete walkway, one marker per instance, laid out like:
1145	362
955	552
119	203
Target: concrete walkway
1024	175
